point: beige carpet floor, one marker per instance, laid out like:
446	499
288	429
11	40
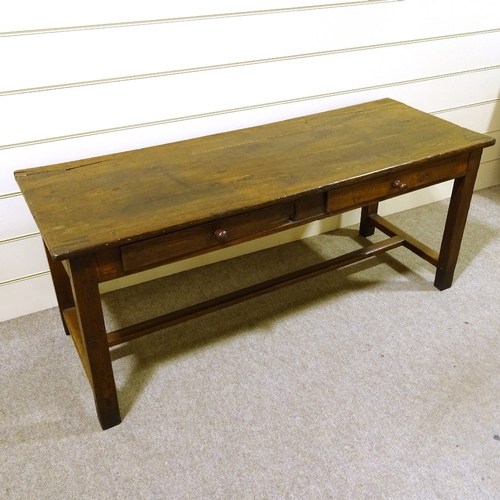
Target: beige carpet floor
364	383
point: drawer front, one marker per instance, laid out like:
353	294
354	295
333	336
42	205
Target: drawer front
394	184
200	239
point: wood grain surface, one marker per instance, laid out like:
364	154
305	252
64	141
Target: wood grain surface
86	205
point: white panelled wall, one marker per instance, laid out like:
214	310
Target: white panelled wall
86	79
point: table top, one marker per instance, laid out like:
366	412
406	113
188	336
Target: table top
85	205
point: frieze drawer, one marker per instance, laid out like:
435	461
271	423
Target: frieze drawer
367	191
203	238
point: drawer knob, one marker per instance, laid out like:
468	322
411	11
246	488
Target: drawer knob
221	235
397	184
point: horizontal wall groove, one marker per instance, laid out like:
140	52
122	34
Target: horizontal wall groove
200	69
467	106
24	278
126	24
247	108
9	195
19	238
493	160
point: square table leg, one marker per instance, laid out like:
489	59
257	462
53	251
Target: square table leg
62	286
94	348
455	223
366	228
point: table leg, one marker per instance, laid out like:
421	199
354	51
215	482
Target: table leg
366	228
95	347
62	286
455	223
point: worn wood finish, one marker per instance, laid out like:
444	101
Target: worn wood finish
90	338
91	204
62	286
367	191
203	237
115	215
455	223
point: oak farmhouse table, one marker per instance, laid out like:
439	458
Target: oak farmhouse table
111	216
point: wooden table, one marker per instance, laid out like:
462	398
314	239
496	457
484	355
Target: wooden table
111	216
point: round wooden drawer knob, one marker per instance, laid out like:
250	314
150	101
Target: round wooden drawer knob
221	235
397	184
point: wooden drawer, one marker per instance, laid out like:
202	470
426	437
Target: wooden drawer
394	184
200	239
